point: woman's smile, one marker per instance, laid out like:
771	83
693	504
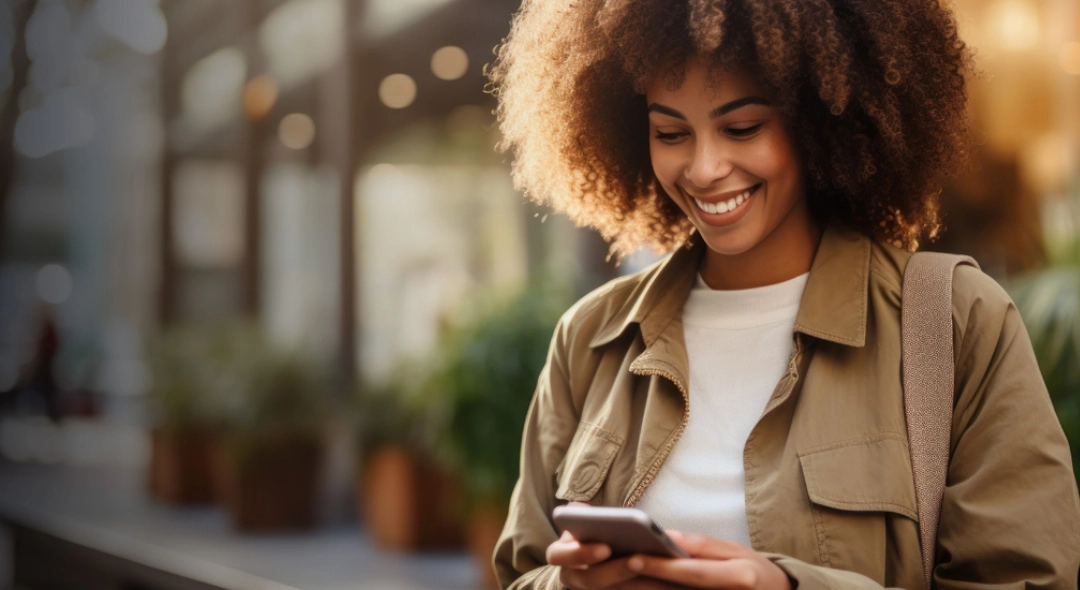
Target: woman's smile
725	208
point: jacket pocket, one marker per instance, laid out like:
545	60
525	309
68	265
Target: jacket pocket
585	467
865	476
863	504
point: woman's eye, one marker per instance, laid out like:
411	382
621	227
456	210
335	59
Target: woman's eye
743	131
669	136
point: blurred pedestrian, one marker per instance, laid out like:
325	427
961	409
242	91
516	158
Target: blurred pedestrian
40	382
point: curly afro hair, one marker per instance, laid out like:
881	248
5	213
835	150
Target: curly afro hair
873	91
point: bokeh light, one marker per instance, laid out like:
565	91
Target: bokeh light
62	121
449	63
296	131
397	91
384	171
260	95
50	47
53	284
49	31
1045	163
1017	24
212	89
139	24
302	38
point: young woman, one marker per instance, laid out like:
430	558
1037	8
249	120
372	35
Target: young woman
746	390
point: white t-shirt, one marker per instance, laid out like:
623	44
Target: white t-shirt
739	344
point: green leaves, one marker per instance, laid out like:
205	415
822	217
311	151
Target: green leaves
1049	302
484	381
232	378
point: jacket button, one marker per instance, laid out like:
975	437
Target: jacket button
586	478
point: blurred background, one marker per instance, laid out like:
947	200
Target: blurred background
271	310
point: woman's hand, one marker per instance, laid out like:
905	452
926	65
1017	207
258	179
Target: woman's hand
714	563
585	566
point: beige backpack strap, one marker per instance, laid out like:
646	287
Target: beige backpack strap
927	348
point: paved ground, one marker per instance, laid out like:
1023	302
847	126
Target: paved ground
108	506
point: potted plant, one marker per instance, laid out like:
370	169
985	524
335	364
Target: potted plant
485	381
185	420
271	447
407	501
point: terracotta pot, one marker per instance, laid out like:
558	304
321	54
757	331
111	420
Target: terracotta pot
179	470
270	487
408	503
482	533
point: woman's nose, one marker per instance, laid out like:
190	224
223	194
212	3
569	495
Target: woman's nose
710	163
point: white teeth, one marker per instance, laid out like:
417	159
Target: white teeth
724	206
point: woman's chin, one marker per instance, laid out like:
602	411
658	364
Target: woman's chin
729	241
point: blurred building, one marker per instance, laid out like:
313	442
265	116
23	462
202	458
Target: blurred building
327	166
324	166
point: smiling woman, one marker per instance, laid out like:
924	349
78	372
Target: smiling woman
788	153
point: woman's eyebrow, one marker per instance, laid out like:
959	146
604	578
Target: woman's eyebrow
663	110
737	104
717	112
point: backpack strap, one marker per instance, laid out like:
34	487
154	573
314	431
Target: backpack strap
926	330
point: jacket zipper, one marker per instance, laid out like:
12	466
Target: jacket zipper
646	480
662	456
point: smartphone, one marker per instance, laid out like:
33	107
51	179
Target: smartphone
626	530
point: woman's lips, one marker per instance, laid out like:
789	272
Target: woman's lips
730	210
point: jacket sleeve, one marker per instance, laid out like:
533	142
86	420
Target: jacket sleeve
1010	515
549	427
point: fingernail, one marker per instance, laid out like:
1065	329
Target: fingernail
603	552
635	563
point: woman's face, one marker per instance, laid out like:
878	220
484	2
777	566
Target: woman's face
725	156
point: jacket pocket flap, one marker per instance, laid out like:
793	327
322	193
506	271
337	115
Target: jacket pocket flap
864	476
586	464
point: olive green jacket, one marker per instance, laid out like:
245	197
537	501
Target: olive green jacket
829	491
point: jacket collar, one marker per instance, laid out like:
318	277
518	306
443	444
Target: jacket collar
833	304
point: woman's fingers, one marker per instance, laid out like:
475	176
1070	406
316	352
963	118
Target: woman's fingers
568	552
710	547
698	573
596	577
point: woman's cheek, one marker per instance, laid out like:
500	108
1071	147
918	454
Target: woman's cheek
777	156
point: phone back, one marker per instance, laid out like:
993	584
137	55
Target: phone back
626	530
